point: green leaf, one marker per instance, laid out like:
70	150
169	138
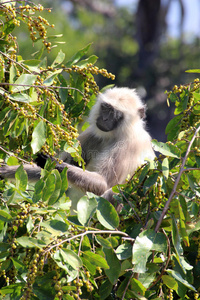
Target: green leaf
38	137
165	149
29	224
114	264
193	71
49	80
59	59
64	183
89	265
106	214
96	259
78	56
63	93
179	278
124	251
12	161
21	97
150	181
24	82
1	71
56	193
170	282
8	27
105	289
29	242
21	178
71	258
165	167
144	173
183	230
38	190
85	209
90	60
33	65
176	237
3	114
18	264
49	187
4	216
146	242
62	260
12	75
103	242
55	227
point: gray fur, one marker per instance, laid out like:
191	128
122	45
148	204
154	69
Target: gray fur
109	155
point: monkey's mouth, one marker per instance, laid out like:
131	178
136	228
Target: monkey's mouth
107	125
104	125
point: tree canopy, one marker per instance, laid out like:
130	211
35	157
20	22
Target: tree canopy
150	250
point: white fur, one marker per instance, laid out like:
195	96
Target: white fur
127	101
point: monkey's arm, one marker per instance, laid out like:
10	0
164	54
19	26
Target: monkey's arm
83	179
86	180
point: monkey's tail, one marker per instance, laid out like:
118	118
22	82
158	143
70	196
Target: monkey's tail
33	171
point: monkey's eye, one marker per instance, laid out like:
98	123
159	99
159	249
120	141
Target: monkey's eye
106	107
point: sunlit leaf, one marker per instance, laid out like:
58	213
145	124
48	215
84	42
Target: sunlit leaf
4	216
59	59
85	209
24	82
165	149
38	137
165	167
21	178
96	259
103	242
107	214
124	251
76	57
178	277
146	242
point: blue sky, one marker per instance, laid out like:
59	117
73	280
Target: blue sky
191	25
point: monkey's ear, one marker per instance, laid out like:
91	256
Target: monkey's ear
142	112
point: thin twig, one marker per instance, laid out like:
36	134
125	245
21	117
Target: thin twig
43	86
11	154
85	233
177	181
166	265
125	290
15	62
131	206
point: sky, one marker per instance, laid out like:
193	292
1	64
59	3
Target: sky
191	24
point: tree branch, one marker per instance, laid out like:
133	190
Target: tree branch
177	181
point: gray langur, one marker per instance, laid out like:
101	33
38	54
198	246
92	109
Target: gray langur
114	145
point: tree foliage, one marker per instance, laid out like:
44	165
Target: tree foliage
151	250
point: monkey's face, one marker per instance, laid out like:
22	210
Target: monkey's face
109	117
115	112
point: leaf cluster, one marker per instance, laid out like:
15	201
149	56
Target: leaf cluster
151	250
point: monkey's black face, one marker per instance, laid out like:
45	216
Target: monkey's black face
109	118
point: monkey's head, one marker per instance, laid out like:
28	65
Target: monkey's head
115	111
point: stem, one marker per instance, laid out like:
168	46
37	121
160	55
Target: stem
43	86
85	233
11	154
177	181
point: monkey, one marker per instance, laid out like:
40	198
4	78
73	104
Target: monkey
114	145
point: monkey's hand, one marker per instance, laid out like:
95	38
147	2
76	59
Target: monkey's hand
41	160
